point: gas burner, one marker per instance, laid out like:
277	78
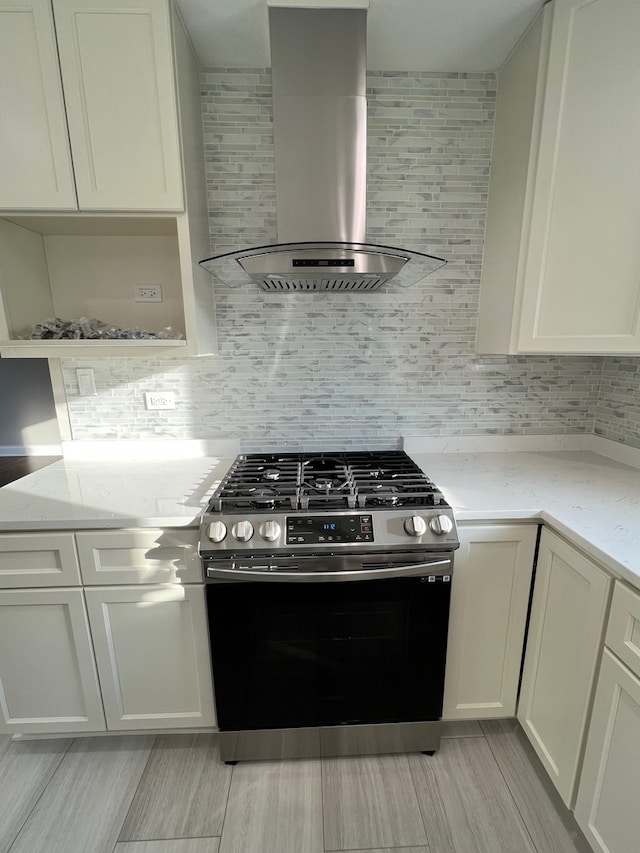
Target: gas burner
385	495
253	491
258	498
326	483
318	464
271	474
383	501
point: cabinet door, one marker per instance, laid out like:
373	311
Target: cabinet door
152	650
48	681
38	559
565	637
139	556
582	275
489	600
35	161
117	73
607	804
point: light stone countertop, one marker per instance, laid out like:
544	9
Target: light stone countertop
84	493
592	500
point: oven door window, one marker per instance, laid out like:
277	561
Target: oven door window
289	655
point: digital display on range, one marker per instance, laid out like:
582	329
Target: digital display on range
322	529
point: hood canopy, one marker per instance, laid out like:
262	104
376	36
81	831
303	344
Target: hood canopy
322	266
318	59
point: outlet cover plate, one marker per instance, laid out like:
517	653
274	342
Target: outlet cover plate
147	293
159	399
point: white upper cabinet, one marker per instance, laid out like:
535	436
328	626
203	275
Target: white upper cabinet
35	160
561	271
117	75
132	91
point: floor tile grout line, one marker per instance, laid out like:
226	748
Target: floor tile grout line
322	799
124	819
415	787
506	781
226	805
417	796
172	838
555	806
394	847
31	811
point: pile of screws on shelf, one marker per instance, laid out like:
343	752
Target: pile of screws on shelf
85	328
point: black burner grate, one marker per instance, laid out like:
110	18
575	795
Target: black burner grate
324	481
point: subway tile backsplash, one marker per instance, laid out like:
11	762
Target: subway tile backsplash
339	370
618	408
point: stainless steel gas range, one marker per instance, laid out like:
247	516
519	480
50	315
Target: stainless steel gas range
328	584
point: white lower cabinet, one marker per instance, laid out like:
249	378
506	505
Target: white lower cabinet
489	600
38	559
152	654
149	555
570	600
48	680
607	805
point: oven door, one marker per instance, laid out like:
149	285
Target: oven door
290	654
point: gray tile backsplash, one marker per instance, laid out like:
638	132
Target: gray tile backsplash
343	369
618	408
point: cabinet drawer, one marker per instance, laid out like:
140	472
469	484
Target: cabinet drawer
623	630
38	559
139	556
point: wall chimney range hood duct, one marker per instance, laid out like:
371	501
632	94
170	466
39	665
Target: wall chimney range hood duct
318	63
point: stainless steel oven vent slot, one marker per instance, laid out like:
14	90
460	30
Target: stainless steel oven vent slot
314	284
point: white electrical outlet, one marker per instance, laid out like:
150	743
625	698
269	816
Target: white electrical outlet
159	399
147	293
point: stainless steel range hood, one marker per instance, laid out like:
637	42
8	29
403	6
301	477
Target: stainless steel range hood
318	60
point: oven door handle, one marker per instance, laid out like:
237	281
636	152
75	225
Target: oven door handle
438	568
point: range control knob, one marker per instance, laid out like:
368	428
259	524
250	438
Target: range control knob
242	531
270	531
217	531
415	526
441	524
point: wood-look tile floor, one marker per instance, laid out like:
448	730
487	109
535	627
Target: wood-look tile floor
483	792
